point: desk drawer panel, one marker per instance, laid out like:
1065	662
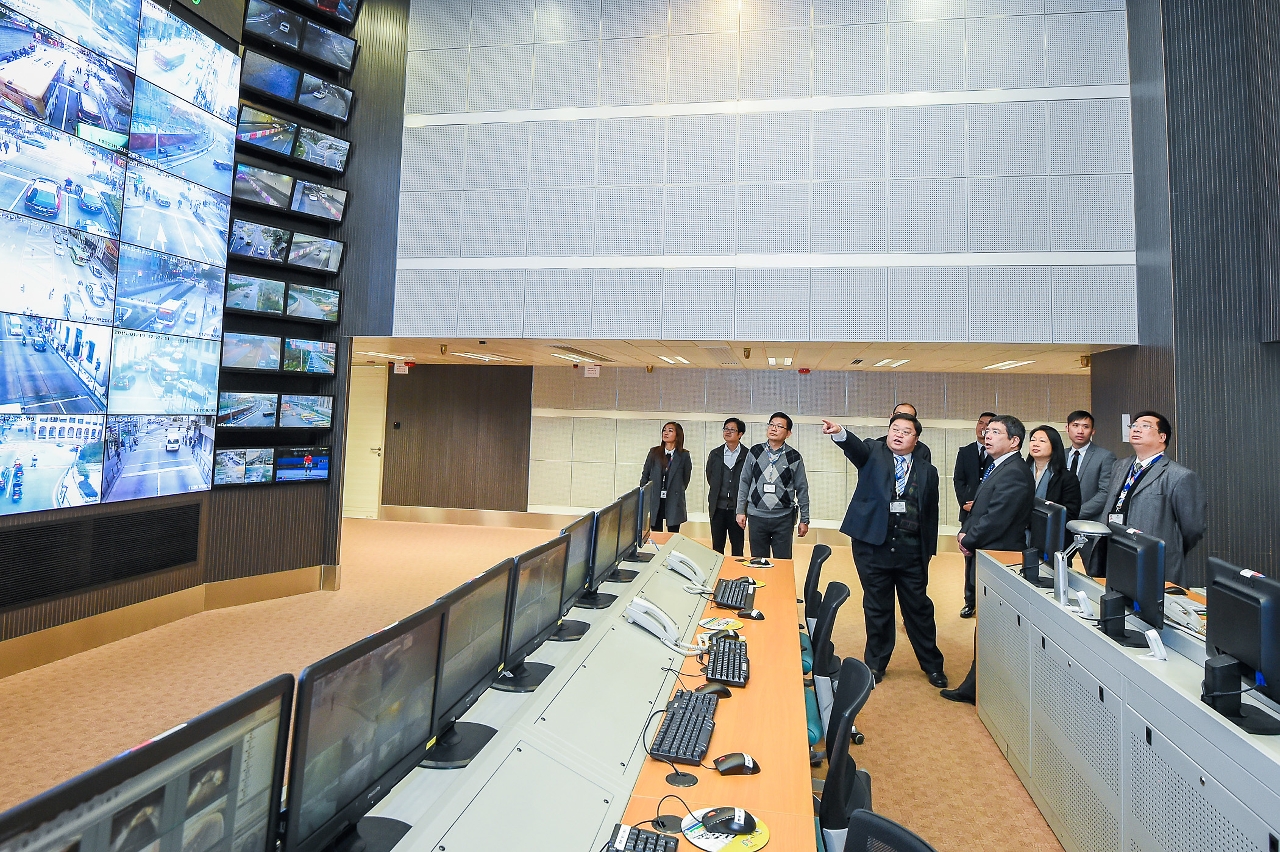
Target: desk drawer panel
1004	670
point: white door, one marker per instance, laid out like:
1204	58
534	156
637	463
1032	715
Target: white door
366	427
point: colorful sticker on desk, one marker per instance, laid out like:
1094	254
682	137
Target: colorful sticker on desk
720	623
703	839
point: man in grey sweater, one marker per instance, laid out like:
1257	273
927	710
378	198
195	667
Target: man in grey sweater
773	487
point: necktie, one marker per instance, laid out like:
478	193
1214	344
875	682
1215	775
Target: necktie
900	473
1135	470
1075	460
987	472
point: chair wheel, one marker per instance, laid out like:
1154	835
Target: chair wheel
858	738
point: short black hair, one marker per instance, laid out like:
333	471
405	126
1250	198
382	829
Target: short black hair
990	415
783	416
1013	426
738	424
907	417
1079	414
914	411
1163	426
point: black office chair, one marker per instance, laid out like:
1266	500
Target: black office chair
813	597
826	665
870	832
847	788
854	688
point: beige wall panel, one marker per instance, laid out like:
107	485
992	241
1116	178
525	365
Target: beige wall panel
926	391
599	394
1025	397
826	495
625	477
682	390
1066	394
592	485
937	440
551	438
869	394
729	392
774	390
549	483
695	441
822	394
594	439
639	391
552	387
970	394
635	438
819	451
956	438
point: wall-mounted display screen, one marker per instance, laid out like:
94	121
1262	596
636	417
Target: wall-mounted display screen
151	455
259	242
302	464
313	303
309	356
53	366
324	97
109	29
266	131
176	137
49	461
250	352
266	75
262	186
255	295
247	410
306	412
162	372
177	58
343	10
315	253
316	199
75	271
243	467
278	26
161	293
171	215
321	149
328	47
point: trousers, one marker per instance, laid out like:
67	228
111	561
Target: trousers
970	582
724	523
771	536
896	570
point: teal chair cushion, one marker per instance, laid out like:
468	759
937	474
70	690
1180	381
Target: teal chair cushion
817	827
806	653
813	717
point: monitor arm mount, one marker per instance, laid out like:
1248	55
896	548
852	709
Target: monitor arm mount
1084	532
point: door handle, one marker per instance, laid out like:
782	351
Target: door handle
377	450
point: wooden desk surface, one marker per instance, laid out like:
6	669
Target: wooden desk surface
766	719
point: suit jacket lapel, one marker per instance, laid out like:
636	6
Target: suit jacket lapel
1156	471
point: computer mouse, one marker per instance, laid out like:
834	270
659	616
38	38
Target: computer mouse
747	580
715	689
753	614
738	763
728	821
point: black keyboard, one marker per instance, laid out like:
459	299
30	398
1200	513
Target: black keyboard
728	662
632	839
735	594
685	732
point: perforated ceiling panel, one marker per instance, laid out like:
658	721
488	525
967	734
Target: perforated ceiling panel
773	218
426	304
1009	214
926	56
1007	139
835	290
938	309
849	217
625	304
774	147
633	71
839	12
568	75
491	303
1011	286
1005	52
497	156
1087	49
848	60
432	158
629	220
493	222
776	64
849	144
698	304
439	23
926	141
1090	137
501	22
436	81
500	77
701	220
928	215
703	68
562	221
628	18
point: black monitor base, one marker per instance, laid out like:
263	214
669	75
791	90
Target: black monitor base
458	746
641	556
1111	616
525	677
622	575
569	631
1221	691
370	834
1253	720
595	600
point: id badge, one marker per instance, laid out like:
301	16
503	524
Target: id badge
767	488
1116	518
662	495
898	507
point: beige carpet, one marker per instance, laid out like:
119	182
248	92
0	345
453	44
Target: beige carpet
934	766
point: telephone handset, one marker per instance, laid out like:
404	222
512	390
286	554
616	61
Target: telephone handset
648	615
684	566
1177	611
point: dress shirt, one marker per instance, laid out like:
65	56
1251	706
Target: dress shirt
1080	458
731	456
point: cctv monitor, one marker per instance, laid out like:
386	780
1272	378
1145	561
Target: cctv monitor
364	719
212	783
268	77
1242	620
250	352
604	554
533	613
180	59
646	513
475	630
309	356
303	464
228	467
304	411
262	187
319	201
321	149
319	253
269	22
1135	582
318	304
266	131
247	410
319	95
328	47
252	295
577	572
628	530
344	11
255	241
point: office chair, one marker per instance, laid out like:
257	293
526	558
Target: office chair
870	832
851	693
847	787
813	597
826	665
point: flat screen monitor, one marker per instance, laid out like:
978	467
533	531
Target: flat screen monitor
604	544
1135	572
321	149
212	783
179	59
266	76
88	297
299	411
342	10
1048	530
629	523
364	718
533	612
254	295
247	410
161	373
266	131
262	187
250	352
577	570
184	140
270	22
1242	619
41	355
646	513
262	243
302	464
156	455
162	211
229	467
313	303
311	252
309	356
168	295
318	200
319	95
328	47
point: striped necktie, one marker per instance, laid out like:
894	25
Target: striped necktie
987	472
900	473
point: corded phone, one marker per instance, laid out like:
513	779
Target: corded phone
1180	613
684	566
648	615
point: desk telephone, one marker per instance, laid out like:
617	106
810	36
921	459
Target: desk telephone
684	566
650	616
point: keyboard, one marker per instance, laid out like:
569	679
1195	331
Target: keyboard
728	662
734	594
685	732
631	839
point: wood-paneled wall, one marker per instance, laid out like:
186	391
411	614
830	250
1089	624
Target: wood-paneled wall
458	437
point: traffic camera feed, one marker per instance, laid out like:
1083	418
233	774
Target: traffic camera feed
153	373
49	462
155	455
265	131
343	10
166	294
247	410
243	467
309	356
53	366
250	352
173	136
167	214
324	97
177	58
270	22
321	149
55	272
108	27
259	242
306	412
315	252
302	464
268	76
57	82
255	295
324	45
313	303
260	186
316	199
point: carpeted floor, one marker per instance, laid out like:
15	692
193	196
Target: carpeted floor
934	767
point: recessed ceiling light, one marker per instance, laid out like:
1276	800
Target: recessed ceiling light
488	356
899	363
855	361
682	360
891	362
577	359
773	362
786	362
1007	365
668	360
384	355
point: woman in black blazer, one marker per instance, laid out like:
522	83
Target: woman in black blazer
670	466
1048	462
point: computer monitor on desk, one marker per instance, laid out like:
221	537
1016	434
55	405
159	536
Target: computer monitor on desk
365	715
1242	620
628	533
604	557
533	613
577	571
1135	581
634	554
475	633
1048	533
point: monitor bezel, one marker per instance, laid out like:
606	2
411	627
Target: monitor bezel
313	449
1050	511
259	370
646	510
312	217
342	261
332	66
513	656
284	341
1124	538
280	404
274	420
252	258
568	597
293	136
226	282
263	92
635	494
445	717
598	577
1225	578
294	317
261	205
297	100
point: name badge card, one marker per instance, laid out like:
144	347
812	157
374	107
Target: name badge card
898	507
768	488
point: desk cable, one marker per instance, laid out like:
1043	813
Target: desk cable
1204	695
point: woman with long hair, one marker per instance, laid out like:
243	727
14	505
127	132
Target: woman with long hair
669	467
1047	459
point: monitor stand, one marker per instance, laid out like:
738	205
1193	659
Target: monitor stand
525	677
1221	691
569	631
370	834
1033	576
457	746
595	600
622	575
1111	618
641	556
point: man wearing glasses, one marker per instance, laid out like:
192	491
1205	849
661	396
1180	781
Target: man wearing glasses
1151	492
724	475
774	486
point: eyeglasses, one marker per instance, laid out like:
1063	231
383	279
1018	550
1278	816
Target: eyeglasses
990	431
1145	427
902	433
730	429
777	426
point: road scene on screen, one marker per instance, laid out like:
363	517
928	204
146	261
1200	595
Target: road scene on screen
267	75
260	242
166	294
302	464
259	295
315	253
53	366
59	178
250	352
321	149
276	25
228	467
153	456
54	272
175	137
324	45
247	410
163	374
343	9
108	27
260	186
309	356
265	131
316	199
259	465
167	214
177	58
323	96
306	412
315	303
57	82
49	462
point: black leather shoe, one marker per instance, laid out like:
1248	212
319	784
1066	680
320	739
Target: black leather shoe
967	612
877	675
938	679
958	695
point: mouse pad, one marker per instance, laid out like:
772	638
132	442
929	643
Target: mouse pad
721	624
691	825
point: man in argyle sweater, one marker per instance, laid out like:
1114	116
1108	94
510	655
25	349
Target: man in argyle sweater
773	487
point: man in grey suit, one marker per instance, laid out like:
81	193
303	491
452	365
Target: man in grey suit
1152	493
1091	464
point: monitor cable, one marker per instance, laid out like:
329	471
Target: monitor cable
678	777
669	823
1204	695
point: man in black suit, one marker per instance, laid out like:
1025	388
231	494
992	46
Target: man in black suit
892	522
724	474
971	461
922	449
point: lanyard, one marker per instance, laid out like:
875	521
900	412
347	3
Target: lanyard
906	479
1135	473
